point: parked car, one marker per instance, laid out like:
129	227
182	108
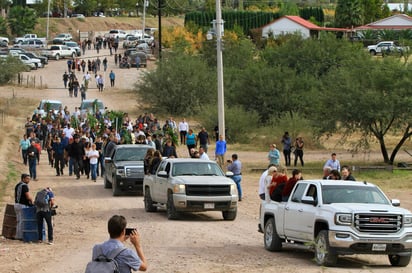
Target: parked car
59	51
28	36
75	46
132	58
386	47
64	36
33	55
113	33
4	42
124	169
130	41
144	47
31	43
77	15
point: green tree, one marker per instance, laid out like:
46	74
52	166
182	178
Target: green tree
21	20
348	13
180	85
3	26
86	7
374	10
9	68
373	98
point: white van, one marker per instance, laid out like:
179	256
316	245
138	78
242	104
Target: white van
49	105
91	106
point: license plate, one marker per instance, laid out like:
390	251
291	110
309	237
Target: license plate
209	205
378	247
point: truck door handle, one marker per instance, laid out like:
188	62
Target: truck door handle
300	210
286	208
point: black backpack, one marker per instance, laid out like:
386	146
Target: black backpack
41	200
105	264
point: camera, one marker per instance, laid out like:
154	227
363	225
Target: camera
129	231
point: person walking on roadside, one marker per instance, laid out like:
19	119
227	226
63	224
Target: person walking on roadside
299	151
44	201
100	83
22	199
65	79
112	77
23	146
33	154
287	145
274	155
235	166
220	151
58	152
76	153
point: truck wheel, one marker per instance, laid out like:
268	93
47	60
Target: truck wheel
229	215
398	260
372	52
57	57
171	210
107	184
116	191
73	55
324	254
271	238
148	202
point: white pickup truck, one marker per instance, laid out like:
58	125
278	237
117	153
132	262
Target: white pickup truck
386	47
339	218
59	51
20	40
190	185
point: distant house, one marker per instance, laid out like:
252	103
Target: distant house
295	24
395	22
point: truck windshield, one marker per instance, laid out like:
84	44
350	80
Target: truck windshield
196	169
137	154
353	194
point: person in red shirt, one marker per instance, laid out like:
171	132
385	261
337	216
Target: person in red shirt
296	176
275	188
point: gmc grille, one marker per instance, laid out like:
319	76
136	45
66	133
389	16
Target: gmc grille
386	223
208	190
134	172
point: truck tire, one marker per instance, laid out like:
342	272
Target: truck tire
57	57
107	184
271	238
116	191
170	208
148	202
324	254
229	215
73	55
372	52
398	260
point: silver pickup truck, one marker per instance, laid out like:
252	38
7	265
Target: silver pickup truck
339	218
59	51
190	185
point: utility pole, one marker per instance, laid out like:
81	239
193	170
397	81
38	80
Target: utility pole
159	16
48	21
219	57
145	4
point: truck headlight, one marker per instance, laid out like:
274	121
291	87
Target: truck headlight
407	220
343	219
179	188
120	172
233	189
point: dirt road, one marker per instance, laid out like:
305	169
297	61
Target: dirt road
200	242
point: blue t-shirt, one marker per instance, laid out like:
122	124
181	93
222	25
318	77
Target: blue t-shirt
126	260
191	139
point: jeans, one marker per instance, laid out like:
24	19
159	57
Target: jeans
45	215
59	163
24	155
286	153
78	165
299	154
93	168
238	179
32	168
70	166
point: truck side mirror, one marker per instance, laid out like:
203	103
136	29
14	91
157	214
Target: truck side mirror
309	200
162	174
395	202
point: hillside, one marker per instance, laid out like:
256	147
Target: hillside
98	24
